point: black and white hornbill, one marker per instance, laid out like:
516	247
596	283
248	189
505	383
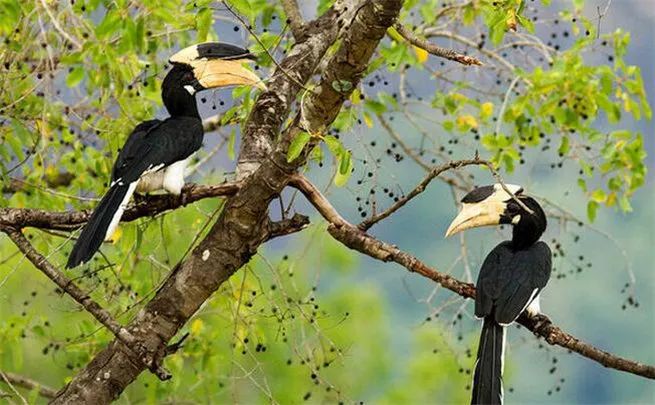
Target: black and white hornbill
511	277
156	153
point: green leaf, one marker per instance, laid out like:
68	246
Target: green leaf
564	146
599	196
109	24
346	163
75	77
242	7
334	145
297	145
624	203
230	144
204	21
345	169
342	86
592	209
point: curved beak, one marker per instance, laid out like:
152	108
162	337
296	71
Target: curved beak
484	213
217	64
212	73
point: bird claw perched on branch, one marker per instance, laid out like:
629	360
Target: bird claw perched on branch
541	322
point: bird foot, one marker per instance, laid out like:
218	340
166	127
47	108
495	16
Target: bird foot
139	198
182	198
541	323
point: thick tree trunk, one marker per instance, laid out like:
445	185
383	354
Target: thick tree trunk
242	226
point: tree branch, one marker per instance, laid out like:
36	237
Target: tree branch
432	174
294	18
92	307
435	49
145	206
27	383
540	325
273	106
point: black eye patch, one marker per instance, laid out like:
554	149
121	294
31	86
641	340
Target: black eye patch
478	194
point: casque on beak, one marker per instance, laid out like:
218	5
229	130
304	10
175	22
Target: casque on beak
483	206
484	213
221	73
217	64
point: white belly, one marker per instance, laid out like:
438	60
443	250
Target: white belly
170	179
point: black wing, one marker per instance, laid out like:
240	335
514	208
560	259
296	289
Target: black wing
129	152
157	144
509	280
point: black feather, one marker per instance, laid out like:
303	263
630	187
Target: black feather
478	194
488	374
95	230
220	50
508	278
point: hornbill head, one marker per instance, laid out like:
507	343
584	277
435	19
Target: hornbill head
215	64
492	205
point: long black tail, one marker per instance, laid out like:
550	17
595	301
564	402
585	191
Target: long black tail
95	231
488	375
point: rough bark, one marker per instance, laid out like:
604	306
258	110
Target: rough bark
242	225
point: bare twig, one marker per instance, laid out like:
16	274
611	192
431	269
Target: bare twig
466	41
432	174
436	50
259	41
58	27
91	306
602	14
28	383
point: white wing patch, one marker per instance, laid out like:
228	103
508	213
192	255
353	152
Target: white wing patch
119	212
533	297
534	308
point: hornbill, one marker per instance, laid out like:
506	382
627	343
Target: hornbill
156	153
511	277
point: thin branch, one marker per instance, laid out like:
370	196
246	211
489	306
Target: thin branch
28	383
399	140
602	14
432	174
259	41
91	306
436	50
540	325
57	26
466	41
294	18
144	207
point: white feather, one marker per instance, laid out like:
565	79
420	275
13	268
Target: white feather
534	307
174	177
533	297
119	212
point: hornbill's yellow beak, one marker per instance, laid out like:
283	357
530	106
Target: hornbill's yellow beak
484	206
217	64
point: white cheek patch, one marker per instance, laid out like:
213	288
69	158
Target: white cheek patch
190	89
516	219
